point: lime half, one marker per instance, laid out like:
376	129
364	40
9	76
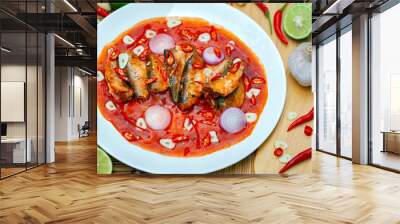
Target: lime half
104	164
297	21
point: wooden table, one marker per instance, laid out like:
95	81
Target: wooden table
299	99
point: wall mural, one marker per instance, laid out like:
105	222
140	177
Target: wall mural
187	88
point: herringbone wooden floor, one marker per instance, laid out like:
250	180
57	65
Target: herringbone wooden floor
69	191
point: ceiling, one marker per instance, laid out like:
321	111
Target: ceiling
72	20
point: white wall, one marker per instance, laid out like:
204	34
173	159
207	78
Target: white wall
71	102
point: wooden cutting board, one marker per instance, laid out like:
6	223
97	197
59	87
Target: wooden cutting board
298	99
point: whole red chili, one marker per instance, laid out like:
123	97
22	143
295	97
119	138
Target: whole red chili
102	12
302	119
278	24
300	157
308	130
278	152
265	10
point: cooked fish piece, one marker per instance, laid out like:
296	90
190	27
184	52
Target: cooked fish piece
226	83
117	87
175	69
235	99
191	83
156	75
137	75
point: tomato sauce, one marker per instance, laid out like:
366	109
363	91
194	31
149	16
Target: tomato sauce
125	115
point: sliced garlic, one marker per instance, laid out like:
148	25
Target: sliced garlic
285	158
100	76
123	60
167	143
280	144
214	137
292	115
187	124
138	50
128	40
173	22
150	34
204	37
110	106
253	92
236	60
251	117
141	123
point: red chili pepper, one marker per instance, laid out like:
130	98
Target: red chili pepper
119	71
235	67
186	48
217	52
257	81
102	12
206	114
246	83
308	130
179	138
186	151
130	137
114	54
278	25
265	10
300	157
213	34
216	76
302	119
207	140
228	51
206	122
253	100
198	64
278	152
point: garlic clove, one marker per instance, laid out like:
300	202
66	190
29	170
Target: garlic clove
280	144
167	143
100	76
173	22
141	123
150	34
110	106
285	158
128	40
123	60
251	117
214	137
138	50
204	37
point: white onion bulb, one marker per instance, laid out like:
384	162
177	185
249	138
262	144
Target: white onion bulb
157	117
161	42
232	120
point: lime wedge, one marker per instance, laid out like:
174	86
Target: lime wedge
297	21
104	164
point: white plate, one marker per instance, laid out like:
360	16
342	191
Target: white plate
240	25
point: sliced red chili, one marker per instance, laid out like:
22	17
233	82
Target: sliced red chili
278	152
186	151
187	35
253	100
235	67
179	138
119	71
207	122
187	48
257	81
142	40
246	83
228	51
114	54
144	54
206	114
130	137
217	52
308	130
213	34
207	140
216	76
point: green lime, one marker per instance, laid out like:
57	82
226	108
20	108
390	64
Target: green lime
297	21
104	164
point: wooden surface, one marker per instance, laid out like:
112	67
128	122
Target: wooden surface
70	191
298	99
